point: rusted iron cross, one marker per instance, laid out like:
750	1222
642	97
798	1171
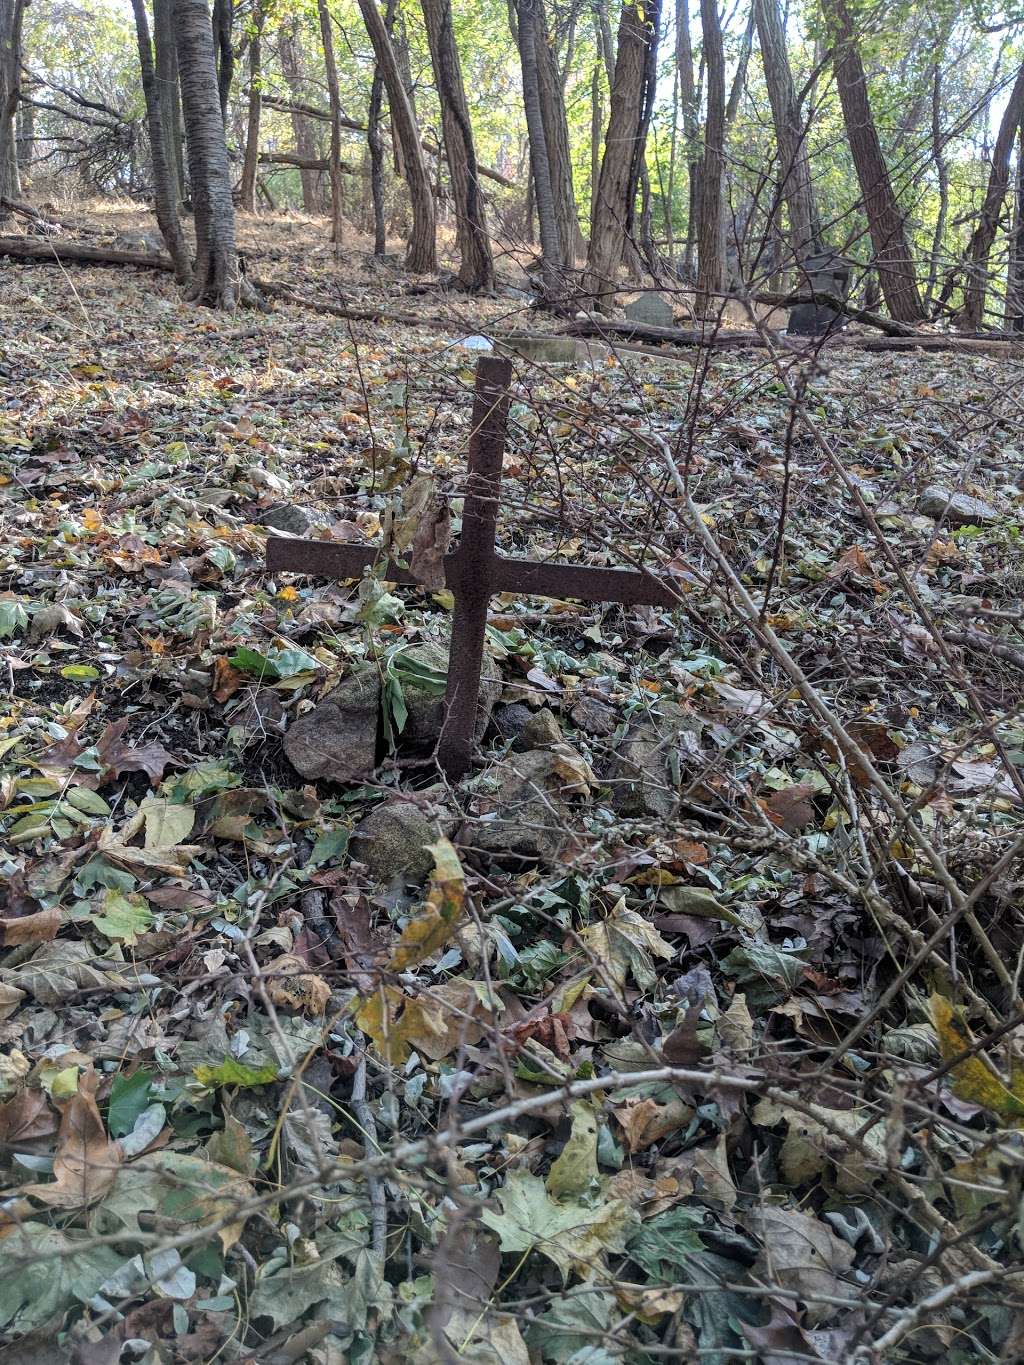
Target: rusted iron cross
474	571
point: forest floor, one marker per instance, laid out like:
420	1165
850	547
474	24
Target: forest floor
642	1080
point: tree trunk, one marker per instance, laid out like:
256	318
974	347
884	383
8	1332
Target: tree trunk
305	142
250	166
637	167
689	102
612	210
1015	269
984	234
224	53
596	125
164	189
556	137
892	255
12	14
795	184
710	237
942	178
215	279
476	270
552	260
334	102
26	139
422	253
168	95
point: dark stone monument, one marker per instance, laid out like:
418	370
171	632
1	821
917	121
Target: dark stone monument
824	272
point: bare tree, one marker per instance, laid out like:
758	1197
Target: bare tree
476	270
795	184
250	164
334	103
216	279
12	14
710	236
528	25
224	53
168	93
422	250
305	142
892	256
1015	270
556	135
984	234
164	190
612	211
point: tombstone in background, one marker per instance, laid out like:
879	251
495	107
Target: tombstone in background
650	309
826	272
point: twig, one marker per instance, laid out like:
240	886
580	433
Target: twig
375	1189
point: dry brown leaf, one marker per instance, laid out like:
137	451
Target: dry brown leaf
292	987
26	1116
86	1161
38	928
792	808
645	1121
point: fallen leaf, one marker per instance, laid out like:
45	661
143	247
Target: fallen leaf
86	1160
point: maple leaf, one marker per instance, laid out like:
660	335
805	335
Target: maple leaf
117	757
570	1234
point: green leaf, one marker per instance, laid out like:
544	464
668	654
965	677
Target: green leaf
79	672
233	1072
574	1170
248	661
124	917
288	662
329	846
33	1292
570	1234
89	802
129	1096
13	618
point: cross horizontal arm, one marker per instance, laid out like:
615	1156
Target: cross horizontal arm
328	559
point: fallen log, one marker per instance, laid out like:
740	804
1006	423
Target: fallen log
676	336
50	252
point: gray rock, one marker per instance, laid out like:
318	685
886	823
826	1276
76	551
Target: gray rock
540	731
653	310
392	842
511	719
959	509
594	717
641	778
337	740
285	516
526	805
426	708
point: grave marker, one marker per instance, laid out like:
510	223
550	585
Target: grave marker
474	571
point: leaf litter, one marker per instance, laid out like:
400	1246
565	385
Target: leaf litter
226	1013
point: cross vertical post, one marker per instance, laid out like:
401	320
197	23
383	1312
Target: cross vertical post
474	564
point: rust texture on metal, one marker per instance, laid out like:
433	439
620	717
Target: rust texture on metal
474	571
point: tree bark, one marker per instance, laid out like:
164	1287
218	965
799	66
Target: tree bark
892	255
305	143
422	251
476	270
168	93
556	137
334	102
164	189
250	166
12	14
224	53
984	234
25	139
552	260
942	178
689	102
795	184
612	211
215	279
1015	269
710	237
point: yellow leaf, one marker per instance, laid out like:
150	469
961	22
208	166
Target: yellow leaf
975	1080
433	926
